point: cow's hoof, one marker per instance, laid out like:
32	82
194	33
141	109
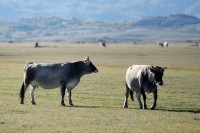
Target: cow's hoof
145	108
33	103
153	107
63	104
141	107
21	102
125	106
71	104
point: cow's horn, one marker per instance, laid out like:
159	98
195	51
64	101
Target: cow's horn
87	58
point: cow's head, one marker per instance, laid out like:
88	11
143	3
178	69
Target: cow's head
159	72
89	67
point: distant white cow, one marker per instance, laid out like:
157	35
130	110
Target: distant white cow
165	44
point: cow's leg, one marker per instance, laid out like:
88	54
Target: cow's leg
22	92
62	90
155	98
126	97
131	94
144	98
139	100
69	94
32	89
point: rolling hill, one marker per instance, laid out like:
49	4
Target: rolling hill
172	27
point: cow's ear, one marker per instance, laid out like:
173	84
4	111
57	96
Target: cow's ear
163	68
152	69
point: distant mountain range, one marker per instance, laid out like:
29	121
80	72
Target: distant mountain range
172	27
171	21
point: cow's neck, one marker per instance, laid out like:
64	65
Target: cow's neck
80	68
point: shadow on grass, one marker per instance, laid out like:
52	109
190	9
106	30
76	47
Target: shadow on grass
80	106
46	46
181	110
196	111
77	106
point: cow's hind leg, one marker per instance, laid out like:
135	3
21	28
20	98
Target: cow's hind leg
22	92
155	99
63	89
69	94
139	100
131	94
144	98
126	97
32	89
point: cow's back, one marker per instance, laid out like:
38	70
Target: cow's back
49	72
135	75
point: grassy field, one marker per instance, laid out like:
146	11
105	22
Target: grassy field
98	99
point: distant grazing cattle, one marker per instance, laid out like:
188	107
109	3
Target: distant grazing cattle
134	42
195	45
160	44
49	76
141	79
10	42
103	44
36	45
165	44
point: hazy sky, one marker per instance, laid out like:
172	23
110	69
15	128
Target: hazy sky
108	10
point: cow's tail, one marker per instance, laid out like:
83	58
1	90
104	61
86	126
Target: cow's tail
131	94
27	64
24	86
21	94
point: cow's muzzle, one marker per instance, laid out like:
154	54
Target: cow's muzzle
96	71
160	83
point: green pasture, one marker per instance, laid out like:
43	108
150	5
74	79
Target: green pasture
99	98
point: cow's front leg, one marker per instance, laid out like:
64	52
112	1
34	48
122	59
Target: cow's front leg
126	97
62	90
139	100
69	94
155	99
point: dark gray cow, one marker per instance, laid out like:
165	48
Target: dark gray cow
49	76
103	44
141	79
160	44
